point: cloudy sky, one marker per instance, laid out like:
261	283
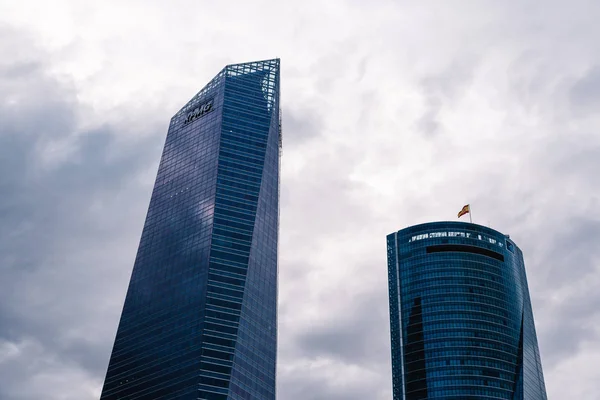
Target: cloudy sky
395	113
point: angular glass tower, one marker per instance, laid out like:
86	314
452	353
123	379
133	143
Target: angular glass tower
200	315
460	315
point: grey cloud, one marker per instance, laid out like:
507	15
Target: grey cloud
301	125
325	189
319	387
572	253
570	258
346	58
585	93
21	70
443	89
59	254
356	335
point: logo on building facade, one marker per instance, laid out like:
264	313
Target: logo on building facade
199	111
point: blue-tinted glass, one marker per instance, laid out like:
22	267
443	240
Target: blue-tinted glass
200	316
460	315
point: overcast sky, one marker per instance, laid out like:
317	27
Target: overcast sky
395	113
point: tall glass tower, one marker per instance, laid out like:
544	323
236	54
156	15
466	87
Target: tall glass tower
460	315
200	315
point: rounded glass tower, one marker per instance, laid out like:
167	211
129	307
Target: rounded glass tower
461	319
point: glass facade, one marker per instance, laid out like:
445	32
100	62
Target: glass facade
200	315
460	315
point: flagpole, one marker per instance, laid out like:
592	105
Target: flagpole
470	214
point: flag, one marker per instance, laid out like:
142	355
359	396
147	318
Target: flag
466	209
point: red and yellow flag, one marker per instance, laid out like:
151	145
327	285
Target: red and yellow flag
466	209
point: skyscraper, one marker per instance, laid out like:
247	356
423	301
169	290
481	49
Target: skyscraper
200	315
460	315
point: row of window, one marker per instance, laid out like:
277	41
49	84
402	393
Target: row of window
507	354
461	367
433	268
448	332
435	299
428	321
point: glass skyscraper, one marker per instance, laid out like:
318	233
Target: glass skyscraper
200	315
460	315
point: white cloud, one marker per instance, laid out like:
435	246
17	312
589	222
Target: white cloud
30	372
